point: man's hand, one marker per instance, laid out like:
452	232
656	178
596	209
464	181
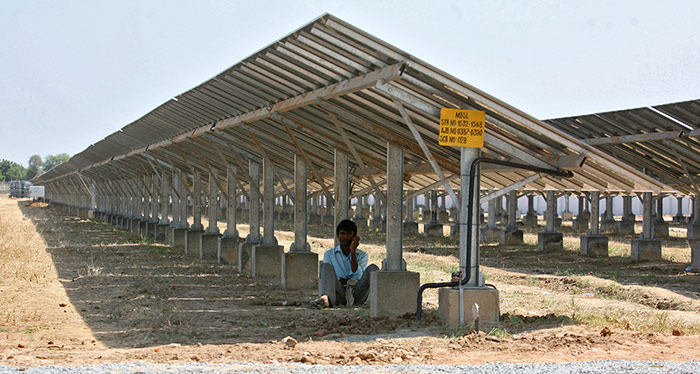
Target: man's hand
355	243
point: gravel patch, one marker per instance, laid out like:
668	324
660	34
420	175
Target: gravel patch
612	367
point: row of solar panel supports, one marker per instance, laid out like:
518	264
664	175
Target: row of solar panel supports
133	205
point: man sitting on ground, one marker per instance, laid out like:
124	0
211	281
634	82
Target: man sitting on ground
344	273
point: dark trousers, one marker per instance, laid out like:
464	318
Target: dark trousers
331	286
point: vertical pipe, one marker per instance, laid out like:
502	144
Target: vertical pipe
512	207
467	156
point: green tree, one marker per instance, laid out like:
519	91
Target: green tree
51	161
10	170
15	173
35	167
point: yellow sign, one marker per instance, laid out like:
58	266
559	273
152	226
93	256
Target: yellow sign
462	128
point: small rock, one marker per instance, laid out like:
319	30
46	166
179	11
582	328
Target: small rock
677	332
289	342
605	331
20	346
396	360
62	305
493	339
199	344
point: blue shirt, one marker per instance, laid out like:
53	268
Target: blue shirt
342	265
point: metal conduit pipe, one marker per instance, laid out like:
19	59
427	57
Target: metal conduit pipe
465	277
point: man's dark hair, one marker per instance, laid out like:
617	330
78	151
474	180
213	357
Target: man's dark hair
346	225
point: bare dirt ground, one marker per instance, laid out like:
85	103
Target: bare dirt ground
78	292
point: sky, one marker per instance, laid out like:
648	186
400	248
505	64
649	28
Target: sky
73	72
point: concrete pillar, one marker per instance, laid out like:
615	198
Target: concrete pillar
567	214
530	219
511	235
660	226
694	225
299	265
580	224
609	223
626	224
209	240
594	244
229	242
197	201
549	239
342	189
183	224
594	219
679	217
268	204
646	248
491	233
93	202
393	289
175	200
410	226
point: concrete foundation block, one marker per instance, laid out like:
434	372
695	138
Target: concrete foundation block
245	251
609	226
443	217
694	231
192	241
625	228
209	246
143	228
160	232
266	261
580	224
646	250
179	239
660	230
228	250
680	219
377	224
567	216
433	230
530	221
410	228
695	256
557	222
393	293
490	235
550	241
486	297
511	237
314	219
135	226
594	246
299	270
327	220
